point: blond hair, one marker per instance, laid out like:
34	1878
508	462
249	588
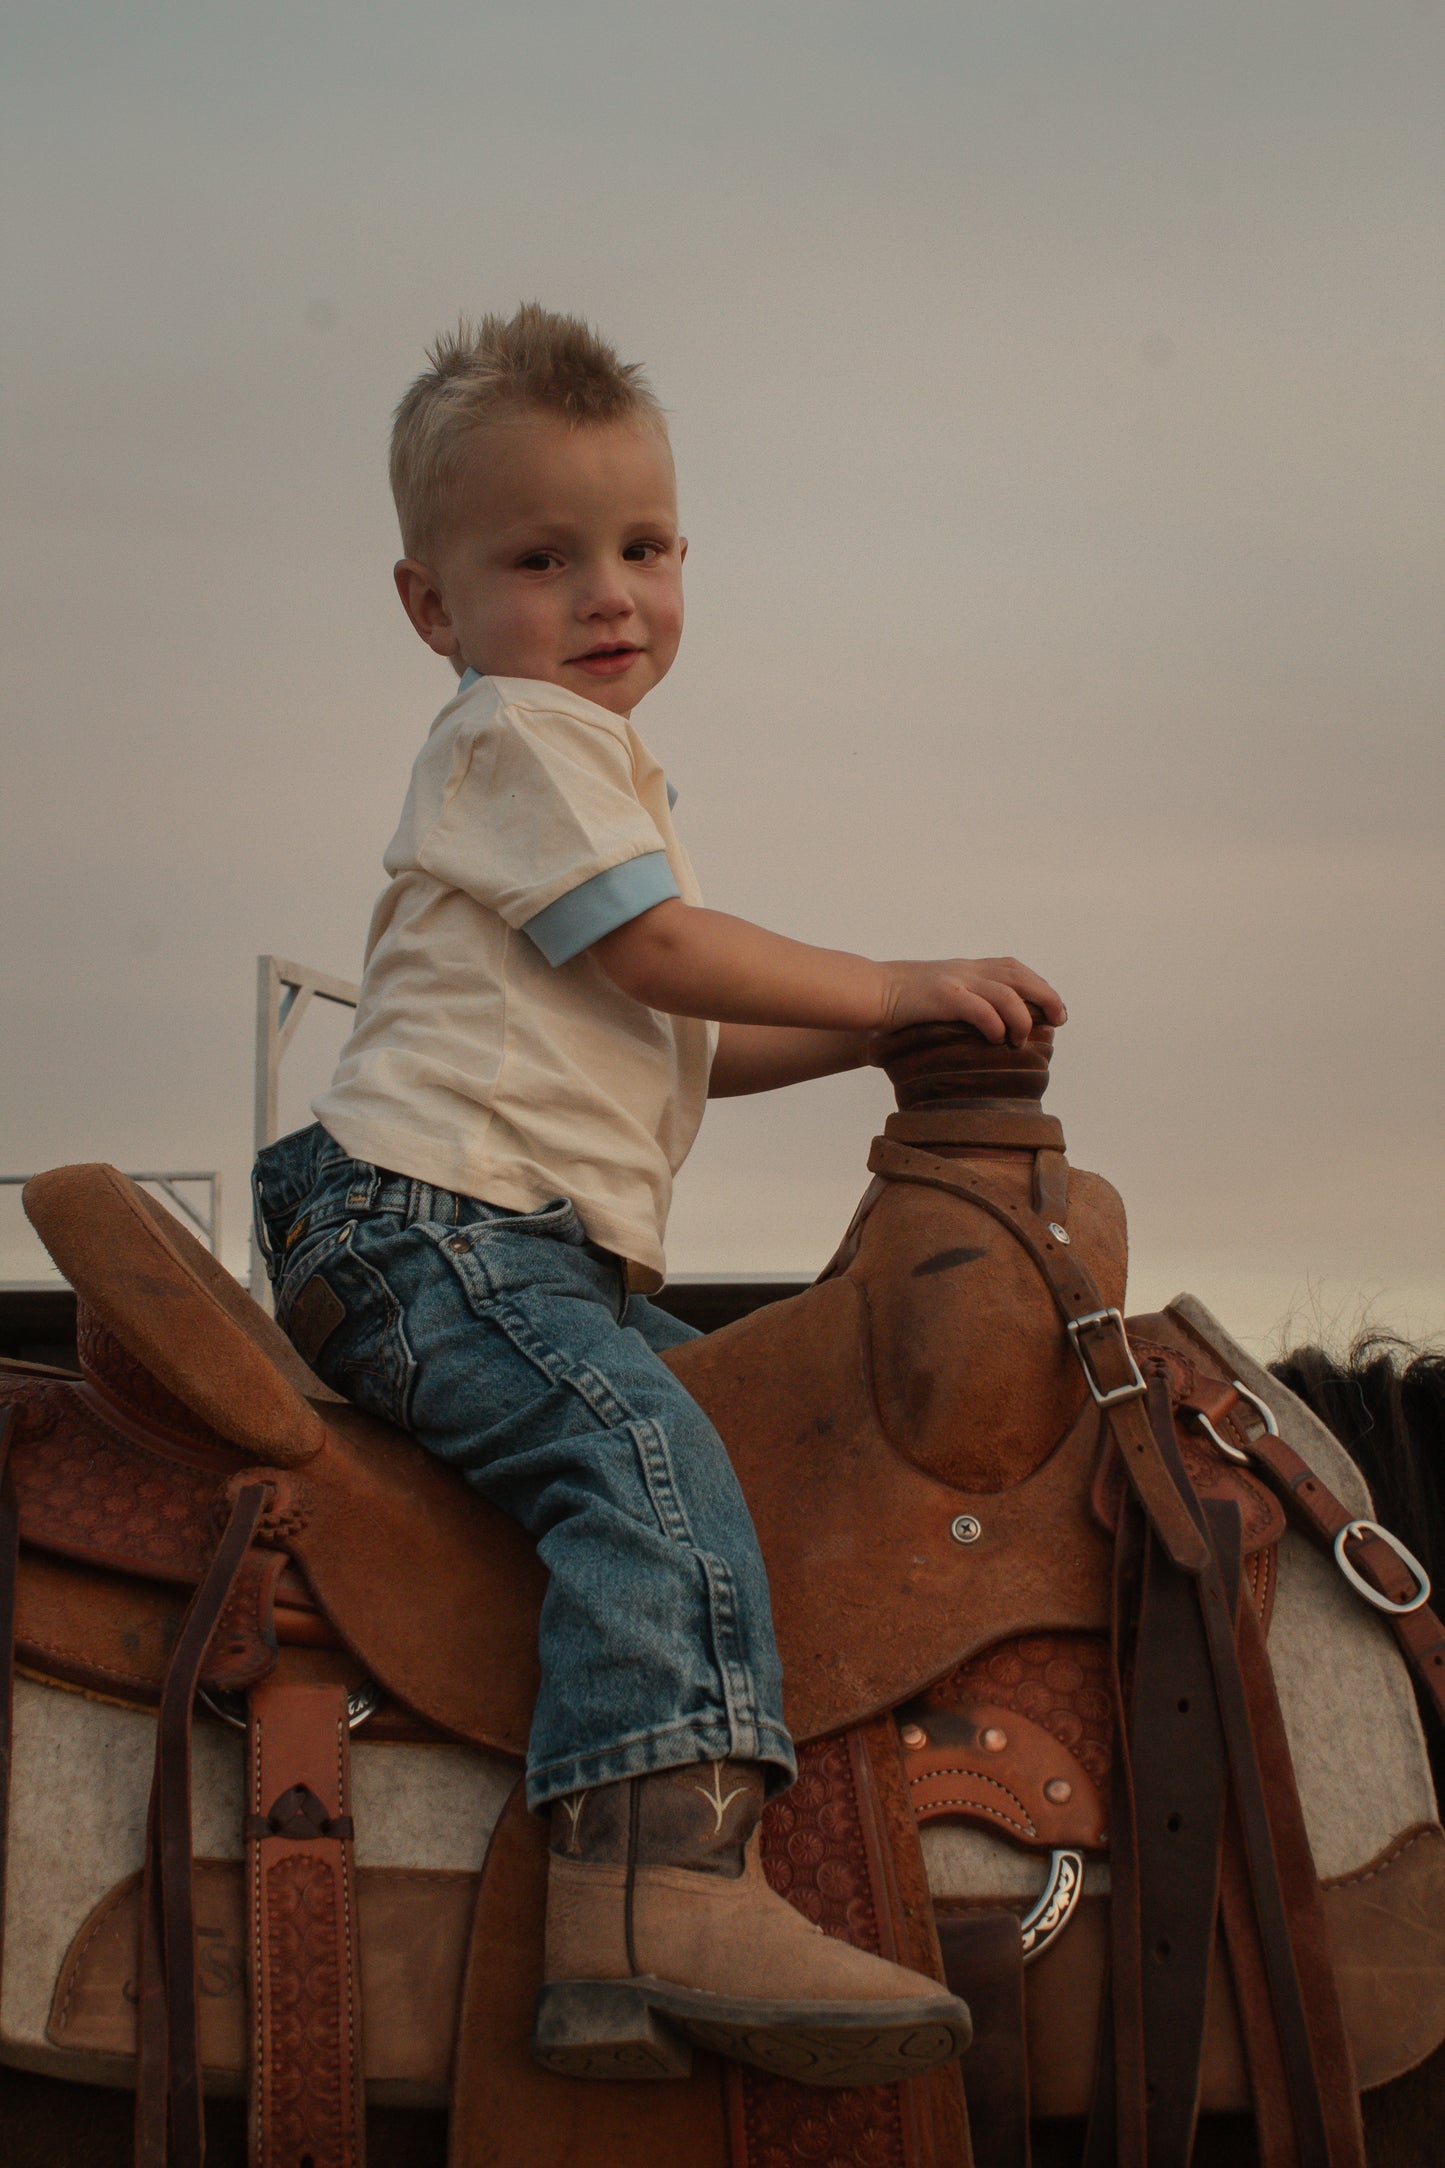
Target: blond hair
532	362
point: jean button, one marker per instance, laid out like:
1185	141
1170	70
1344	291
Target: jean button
457	1242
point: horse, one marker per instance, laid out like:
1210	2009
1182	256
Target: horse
911	1434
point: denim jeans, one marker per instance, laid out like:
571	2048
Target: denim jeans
508	1344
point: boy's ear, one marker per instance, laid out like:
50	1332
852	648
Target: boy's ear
422	600
681	547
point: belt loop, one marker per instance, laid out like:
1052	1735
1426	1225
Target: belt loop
365	1182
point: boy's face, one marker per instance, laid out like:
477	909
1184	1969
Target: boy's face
561	560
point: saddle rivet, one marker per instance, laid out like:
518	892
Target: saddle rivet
1058	1791
913	1735
965	1528
1060	1234
993	1740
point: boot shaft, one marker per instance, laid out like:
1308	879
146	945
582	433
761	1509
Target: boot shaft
698	1817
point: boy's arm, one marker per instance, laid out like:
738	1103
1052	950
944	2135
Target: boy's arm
689	961
760	1057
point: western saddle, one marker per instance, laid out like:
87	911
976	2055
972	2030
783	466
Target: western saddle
1022	1566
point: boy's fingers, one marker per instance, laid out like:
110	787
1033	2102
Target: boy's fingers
1010	1009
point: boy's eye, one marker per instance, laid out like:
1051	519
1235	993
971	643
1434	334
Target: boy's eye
537	561
638	553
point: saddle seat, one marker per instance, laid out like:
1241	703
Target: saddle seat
858	1488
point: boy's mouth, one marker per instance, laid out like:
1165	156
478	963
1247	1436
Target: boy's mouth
608	659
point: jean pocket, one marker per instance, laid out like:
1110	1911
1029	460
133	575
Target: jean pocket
342	1316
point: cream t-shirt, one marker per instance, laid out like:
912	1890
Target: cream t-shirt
491	1053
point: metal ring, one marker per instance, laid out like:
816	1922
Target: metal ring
363	1701
1262	1408
1407	1559
1053	1909
1230	1452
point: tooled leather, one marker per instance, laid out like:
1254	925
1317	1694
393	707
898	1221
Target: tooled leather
306	2064
303	2105
121	1375
90	1492
1058	1681
814	1853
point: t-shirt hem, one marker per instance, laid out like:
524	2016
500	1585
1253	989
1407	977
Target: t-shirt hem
421	1159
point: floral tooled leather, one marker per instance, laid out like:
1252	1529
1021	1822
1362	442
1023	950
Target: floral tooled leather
302	2106
89	1492
815	1854
1058	1681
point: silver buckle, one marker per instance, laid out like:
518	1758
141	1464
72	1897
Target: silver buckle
1232	1452
1358	1582
1132	1391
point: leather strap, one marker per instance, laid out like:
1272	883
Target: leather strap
170	2116
1285	1891
307	2105
1421	1632
983	1962
1180	1780
1077	1298
9	1577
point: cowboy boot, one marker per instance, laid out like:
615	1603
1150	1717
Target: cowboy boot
662	1930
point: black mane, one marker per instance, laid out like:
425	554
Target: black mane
1385	1402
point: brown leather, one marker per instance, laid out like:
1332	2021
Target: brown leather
303	1957
170	2123
190	1325
988	1764
414	1926
1077	1296
843	1847
1179	1768
699	1817
1420	1632
983	1962
1386	1924
507	2112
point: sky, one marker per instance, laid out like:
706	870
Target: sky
1056	398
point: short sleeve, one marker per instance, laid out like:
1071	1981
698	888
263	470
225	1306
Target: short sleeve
542	804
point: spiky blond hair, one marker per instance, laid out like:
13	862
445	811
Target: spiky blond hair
534	361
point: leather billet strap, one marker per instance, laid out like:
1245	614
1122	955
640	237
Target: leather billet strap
1096	1330
983	1962
170	2115
307	2104
1284	1889
1419	1630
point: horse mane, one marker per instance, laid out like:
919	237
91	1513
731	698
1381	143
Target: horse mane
1385	1402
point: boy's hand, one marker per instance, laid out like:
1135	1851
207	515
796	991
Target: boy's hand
991	993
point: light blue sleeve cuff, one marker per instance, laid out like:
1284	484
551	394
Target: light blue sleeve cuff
609	900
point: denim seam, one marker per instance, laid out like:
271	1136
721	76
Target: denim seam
655	1462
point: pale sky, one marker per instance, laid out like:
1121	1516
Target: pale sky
1056	398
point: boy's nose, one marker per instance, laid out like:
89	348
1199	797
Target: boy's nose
605	596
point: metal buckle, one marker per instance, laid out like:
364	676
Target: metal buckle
231	1707
1362	1587
1132	1391
1233	1452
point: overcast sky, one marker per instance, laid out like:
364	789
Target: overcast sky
1056	397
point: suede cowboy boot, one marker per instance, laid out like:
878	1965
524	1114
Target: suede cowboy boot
661	1929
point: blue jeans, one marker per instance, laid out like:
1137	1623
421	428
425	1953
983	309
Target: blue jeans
508	1344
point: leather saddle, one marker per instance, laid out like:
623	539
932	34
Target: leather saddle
950	1447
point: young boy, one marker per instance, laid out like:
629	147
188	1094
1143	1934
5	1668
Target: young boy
465	1239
